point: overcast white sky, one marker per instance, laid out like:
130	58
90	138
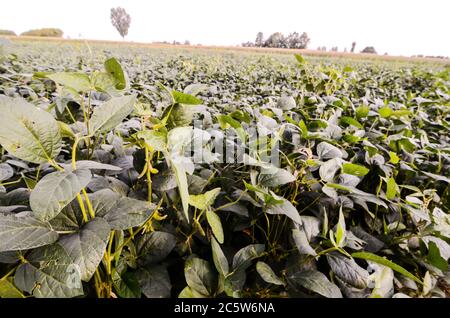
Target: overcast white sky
399	27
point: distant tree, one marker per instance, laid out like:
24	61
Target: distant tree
334	49
369	49
45	32
353	47
296	41
248	44
187	42
275	40
121	20
259	42
7	32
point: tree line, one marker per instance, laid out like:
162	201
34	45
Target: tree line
294	40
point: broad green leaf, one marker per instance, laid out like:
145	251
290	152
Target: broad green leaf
91	165
87	247
267	274
393	157
435	258
299	59
362	111
285	208
227	121
354	169
24	232
316	282
8	290
302	243
155	246
186	99
189	292
111	113
384	261
303	128
155	139
348	270
77	81
6	171
113	67
154	281
180	175
120	212
220	261
126	284
392	188
329	168
328	151
205	200
351	121
286	103
195	89
200	276
243	258
49	273
27	132
275	178
56	190
216	225
385	112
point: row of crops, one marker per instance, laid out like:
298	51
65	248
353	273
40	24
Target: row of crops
136	172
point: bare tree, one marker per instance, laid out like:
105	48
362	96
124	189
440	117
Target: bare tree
121	20
353	47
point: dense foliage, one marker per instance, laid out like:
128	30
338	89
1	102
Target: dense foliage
99	197
7	32
45	32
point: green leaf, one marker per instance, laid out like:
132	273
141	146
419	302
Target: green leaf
285	208
435	258
302	243
267	274
8	290
243	258
189	292
49	273
392	189
186	99
328	151
180	175
200	276
383	261
354	169
77	81
24	232
56	190
385	112
348	270
157	140
286	103
28	132
351	121
87	247
393	157
220	261
195	89
226	121
316	282
362	111
205	200
120	212
216	225
111	113
299	58
275	178
154	281
113	67
126	284
341	232
303	128
154	247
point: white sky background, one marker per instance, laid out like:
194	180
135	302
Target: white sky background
399	27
